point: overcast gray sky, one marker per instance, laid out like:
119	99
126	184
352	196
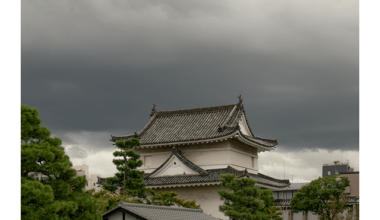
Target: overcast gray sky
94	68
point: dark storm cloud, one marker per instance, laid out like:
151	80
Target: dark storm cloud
93	68
76	152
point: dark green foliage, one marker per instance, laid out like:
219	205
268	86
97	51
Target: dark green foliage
128	178
274	213
245	200
169	199
316	197
109	200
60	195
30	126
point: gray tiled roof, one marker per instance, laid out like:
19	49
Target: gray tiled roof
193	125
212	176
176	152
153	212
294	186
286	202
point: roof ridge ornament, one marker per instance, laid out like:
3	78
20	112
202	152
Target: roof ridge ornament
245	172
175	150
153	110
240	101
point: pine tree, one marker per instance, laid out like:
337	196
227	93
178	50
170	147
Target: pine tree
169	199
128	179
60	195
244	200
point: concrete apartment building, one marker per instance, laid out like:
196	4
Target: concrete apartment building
83	170
336	168
344	170
284	195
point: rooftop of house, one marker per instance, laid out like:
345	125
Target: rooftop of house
150	212
196	124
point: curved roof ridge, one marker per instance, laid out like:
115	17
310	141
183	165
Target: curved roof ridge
159	207
177	153
187	162
266	139
260	141
195	110
272	178
115	138
150	122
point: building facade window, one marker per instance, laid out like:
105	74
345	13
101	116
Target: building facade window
275	195
294	193
328	173
254	162
281	195
289	194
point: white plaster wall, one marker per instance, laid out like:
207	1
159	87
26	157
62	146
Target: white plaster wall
94	177
285	214
84	168
206	196
311	216
241	159
297	216
174	167
208	157
244	126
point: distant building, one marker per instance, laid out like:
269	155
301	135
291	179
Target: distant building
92	179
336	168
353	188
344	170
284	195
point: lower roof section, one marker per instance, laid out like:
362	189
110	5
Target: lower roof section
213	177
148	212
352	200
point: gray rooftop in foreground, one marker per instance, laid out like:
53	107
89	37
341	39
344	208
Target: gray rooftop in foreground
153	212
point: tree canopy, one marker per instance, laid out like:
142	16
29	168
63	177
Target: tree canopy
110	200
245	200
59	194
321	196
129	179
169	199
